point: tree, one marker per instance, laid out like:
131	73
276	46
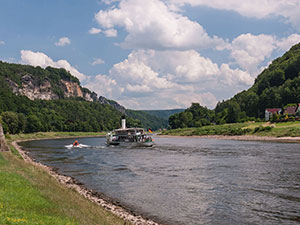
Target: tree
276	78
21	123
10	122
233	114
275	118
33	124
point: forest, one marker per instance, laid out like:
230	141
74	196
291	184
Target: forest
277	86
20	114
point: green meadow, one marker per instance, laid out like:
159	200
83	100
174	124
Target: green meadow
29	195
284	129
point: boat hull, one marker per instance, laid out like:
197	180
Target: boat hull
130	144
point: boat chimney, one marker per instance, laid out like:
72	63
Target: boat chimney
123	123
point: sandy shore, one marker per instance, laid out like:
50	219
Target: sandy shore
245	138
93	196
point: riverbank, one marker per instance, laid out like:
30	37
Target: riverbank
79	205
244	138
289	131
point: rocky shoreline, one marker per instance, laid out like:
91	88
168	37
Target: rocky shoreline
96	197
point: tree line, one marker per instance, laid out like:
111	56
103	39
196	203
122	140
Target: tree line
277	86
20	114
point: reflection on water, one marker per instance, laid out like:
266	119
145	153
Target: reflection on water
188	180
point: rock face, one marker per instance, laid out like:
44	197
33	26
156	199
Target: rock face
31	89
3	145
34	89
37	89
114	104
72	89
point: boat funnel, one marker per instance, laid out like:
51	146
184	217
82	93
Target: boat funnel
123	124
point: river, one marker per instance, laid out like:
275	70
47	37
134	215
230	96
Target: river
187	180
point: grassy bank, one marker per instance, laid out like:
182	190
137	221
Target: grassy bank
287	129
29	195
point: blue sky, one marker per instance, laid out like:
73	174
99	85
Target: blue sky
152	54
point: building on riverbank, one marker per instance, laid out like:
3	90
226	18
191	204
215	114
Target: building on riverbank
270	112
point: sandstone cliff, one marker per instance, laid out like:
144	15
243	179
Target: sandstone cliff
34	88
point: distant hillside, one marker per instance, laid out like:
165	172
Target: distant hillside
147	120
275	87
164	114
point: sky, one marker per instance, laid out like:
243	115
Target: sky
152	54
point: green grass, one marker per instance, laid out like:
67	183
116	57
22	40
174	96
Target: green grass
286	129
225	129
52	135
29	195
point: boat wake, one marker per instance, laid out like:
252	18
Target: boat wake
77	146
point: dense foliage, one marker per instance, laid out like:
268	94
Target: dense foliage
14	72
275	87
164	114
148	120
195	116
20	114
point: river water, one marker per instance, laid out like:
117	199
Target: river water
187	180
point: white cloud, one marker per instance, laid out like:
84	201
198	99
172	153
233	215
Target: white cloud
288	9
94	30
234	77
134	72
169	79
111	33
2	42
98	62
285	43
104	86
109	2
249	51
252	52
42	60
152	25
63	41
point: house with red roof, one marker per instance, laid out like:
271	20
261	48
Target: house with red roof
290	110
270	112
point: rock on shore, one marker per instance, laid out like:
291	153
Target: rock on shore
3	145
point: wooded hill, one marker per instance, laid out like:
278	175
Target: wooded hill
276	87
71	108
164	114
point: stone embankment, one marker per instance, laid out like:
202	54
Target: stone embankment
3	145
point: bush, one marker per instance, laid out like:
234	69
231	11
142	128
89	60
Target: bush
10	122
261	129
